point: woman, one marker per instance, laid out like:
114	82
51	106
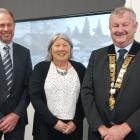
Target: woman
54	92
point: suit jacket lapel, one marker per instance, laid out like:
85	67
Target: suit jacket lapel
3	89
106	81
130	68
15	65
2	74
106	78
111	50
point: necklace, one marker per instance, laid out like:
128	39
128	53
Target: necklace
61	71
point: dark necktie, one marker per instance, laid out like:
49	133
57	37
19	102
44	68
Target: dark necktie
120	60
7	63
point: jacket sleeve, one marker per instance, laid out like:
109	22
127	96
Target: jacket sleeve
133	122
37	96
24	99
79	113
88	99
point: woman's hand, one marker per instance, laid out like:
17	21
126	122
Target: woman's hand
70	127
60	126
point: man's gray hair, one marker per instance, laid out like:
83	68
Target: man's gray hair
121	10
6	11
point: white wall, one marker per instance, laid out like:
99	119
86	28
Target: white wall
28	131
134	4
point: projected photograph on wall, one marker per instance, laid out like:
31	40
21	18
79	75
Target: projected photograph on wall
86	32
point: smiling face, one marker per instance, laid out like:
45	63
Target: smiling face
7	27
122	27
60	50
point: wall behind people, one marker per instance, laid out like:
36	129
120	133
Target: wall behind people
134	4
29	9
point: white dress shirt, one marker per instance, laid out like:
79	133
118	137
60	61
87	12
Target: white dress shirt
2	52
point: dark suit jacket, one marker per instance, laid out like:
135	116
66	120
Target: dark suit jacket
95	94
43	117
19	99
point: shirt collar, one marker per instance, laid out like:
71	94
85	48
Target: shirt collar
128	47
3	44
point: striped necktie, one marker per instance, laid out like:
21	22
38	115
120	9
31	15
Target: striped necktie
7	63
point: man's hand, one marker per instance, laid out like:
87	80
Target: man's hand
103	131
8	122
118	132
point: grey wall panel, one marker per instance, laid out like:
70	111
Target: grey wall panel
30	9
